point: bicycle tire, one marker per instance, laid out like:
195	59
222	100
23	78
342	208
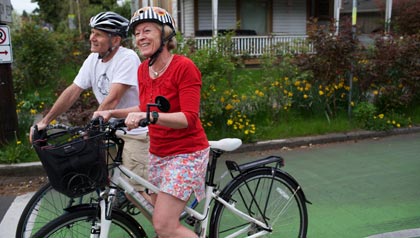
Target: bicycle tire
78	224
282	204
45	205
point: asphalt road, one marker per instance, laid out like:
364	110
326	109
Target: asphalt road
358	188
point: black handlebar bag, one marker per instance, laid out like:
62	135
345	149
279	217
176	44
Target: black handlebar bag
76	166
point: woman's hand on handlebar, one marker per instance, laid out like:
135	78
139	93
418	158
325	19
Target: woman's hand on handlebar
133	119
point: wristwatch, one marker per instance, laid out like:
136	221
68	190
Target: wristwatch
155	116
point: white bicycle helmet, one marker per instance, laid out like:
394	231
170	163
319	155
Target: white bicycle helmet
110	22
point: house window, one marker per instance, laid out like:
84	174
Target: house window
323	9
253	15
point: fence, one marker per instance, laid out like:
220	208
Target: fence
259	45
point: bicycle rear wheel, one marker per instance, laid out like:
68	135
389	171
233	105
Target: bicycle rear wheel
78	224
267	194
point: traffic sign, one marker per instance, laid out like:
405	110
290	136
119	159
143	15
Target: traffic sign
6	55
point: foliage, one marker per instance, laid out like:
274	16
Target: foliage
81	111
390	73
222	108
331	65
16	153
406	15
37	57
368	116
57	12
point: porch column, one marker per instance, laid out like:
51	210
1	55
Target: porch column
214	4
388	12
337	8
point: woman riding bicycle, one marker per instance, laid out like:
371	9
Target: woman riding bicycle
179	149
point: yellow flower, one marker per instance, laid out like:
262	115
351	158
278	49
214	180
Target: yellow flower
229	122
375	92
33	111
229	107
381	115
305	96
321	92
398	125
18	142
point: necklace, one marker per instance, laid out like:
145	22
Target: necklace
157	73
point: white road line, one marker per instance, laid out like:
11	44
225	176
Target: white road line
11	218
409	233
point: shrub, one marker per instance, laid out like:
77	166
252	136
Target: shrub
331	64
368	117
37	58
406	15
391	73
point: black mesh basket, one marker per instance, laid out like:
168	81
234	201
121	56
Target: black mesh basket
75	165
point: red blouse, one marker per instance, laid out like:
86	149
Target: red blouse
181	85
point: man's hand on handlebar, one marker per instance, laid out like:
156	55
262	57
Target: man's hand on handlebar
40	125
106	115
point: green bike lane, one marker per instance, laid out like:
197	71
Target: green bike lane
364	188
357	188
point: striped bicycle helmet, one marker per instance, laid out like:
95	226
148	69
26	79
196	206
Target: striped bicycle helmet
110	22
159	16
152	14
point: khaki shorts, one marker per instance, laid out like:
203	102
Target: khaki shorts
136	155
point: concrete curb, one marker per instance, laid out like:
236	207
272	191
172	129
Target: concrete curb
36	169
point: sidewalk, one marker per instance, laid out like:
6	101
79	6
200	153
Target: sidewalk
35	168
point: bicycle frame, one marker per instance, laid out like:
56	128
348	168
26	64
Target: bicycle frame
117	179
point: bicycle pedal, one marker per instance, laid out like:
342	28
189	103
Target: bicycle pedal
190	221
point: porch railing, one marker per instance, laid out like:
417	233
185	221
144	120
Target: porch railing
259	45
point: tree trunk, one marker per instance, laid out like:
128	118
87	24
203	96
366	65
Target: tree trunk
8	116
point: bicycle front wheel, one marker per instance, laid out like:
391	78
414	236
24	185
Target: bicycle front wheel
267	194
78	224
45	205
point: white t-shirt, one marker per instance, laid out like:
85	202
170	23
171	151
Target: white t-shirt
99	76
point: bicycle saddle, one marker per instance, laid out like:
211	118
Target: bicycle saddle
226	144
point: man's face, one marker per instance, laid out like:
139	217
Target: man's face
99	41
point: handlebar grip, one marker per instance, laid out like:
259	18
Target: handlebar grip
120	122
143	122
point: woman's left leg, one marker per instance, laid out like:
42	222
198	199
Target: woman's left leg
166	217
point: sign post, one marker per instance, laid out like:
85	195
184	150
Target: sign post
8	116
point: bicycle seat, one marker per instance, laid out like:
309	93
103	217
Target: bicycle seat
226	144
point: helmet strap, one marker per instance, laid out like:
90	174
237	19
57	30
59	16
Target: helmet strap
158	51
110	49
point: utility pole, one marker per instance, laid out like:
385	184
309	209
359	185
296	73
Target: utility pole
8	117
353	31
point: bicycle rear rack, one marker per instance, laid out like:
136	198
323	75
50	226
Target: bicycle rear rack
233	166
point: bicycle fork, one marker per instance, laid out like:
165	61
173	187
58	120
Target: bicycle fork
100	229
